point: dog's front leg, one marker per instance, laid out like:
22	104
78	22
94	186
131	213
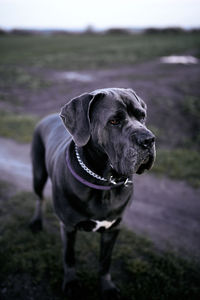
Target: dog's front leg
70	283
108	288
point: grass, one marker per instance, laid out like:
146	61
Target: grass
138	269
180	159
16	126
191	110
19	77
91	51
181	164
7	97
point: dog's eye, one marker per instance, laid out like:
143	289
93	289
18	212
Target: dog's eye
114	122
142	119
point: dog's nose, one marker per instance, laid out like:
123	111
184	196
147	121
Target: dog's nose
145	140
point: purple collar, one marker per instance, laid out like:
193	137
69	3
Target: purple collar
87	183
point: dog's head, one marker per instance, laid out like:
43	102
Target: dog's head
115	121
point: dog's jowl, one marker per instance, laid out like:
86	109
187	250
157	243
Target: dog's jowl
90	152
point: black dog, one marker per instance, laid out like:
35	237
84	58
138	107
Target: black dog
106	135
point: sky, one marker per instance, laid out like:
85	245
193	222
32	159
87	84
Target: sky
101	14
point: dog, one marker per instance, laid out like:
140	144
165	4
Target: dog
90	152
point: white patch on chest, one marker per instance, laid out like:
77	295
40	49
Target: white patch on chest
106	224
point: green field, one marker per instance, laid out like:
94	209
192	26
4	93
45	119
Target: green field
91	51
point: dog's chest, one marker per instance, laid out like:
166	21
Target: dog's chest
109	205
97	226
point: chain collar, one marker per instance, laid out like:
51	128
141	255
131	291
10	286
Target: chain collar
91	173
85	168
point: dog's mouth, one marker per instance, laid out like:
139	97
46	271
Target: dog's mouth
146	164
141	162
133	161
137	167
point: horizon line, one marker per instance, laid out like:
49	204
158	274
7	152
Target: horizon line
93	28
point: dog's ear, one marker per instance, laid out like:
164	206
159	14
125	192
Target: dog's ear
75	116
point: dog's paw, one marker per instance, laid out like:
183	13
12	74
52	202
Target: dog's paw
108	289
111	294
36	225
72	289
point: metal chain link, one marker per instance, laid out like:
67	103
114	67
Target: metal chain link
86	168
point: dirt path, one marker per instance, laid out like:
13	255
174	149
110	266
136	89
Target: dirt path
166	211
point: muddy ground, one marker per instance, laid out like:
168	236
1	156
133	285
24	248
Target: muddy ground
166	211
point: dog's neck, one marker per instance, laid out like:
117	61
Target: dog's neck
95	159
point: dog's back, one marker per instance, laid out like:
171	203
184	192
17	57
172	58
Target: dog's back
50	136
